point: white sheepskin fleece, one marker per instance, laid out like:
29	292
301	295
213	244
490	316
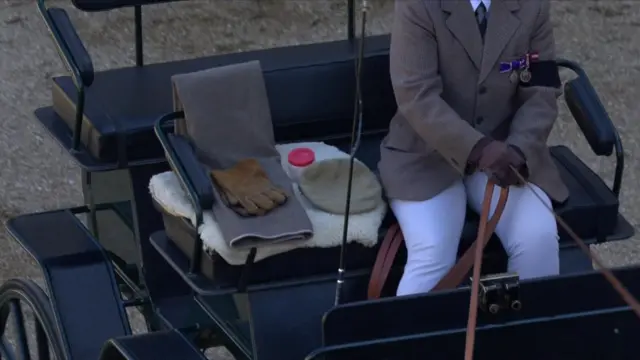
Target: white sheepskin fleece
327	228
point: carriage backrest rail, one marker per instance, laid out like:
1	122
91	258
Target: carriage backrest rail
106	5
76	49
78	61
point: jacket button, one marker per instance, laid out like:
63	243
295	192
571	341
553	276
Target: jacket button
479	120
482	89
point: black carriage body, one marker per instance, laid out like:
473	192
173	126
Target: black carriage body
105	120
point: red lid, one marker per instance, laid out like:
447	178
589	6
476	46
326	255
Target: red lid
301	157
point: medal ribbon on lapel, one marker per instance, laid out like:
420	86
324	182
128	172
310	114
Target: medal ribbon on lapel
519	64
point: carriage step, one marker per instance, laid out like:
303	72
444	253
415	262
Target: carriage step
168	345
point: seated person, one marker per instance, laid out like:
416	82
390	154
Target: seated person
476	85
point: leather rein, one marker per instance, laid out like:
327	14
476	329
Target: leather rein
472	258
394	238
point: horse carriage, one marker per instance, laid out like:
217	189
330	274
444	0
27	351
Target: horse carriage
151	237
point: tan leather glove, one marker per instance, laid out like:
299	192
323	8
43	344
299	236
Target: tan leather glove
247	189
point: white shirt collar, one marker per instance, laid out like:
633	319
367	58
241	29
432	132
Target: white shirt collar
476	3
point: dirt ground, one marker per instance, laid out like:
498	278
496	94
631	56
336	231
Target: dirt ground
35	174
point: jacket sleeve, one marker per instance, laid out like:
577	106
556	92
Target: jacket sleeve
533	121
418	87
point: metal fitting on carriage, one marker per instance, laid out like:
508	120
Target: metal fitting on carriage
494	308
365	6
516	305
500	292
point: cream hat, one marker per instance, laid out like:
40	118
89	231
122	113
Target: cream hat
324	184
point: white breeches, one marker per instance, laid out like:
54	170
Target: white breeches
432	231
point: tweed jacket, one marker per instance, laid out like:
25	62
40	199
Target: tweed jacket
451	92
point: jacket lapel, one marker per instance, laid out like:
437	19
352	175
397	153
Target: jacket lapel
501	26
462	24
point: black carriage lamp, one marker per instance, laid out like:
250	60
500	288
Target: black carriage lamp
356	132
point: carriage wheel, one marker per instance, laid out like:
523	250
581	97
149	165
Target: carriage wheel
21	300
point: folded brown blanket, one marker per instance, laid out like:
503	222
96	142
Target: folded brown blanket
227	118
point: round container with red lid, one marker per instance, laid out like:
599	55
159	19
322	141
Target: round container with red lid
299	159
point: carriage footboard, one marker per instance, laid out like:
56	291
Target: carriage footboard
167	345
79	278
604	334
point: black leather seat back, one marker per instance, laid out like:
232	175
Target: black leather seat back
311	90
317	101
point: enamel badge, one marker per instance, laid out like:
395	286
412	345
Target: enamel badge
525	75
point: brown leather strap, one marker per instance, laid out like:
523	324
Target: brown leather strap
616	284
475	285
460	270
484	231
393	239
381	268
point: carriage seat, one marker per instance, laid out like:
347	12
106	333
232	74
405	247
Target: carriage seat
310	90
180	219
167	192
590	199
591	209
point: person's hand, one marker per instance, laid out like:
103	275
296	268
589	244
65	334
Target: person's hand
518	162
497	159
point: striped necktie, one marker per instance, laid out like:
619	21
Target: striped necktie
481	17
